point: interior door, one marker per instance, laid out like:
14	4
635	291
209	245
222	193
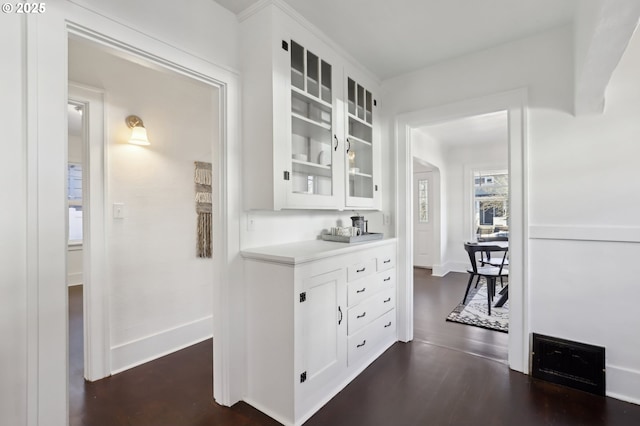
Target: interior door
422	220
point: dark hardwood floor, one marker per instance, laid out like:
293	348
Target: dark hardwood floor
430	381
433	299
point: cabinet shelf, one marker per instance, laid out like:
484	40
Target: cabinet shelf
360	120
364	175
352	139
308	128
306	97
300	166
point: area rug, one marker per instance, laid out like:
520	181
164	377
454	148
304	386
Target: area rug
475	311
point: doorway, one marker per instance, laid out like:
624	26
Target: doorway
462	147
514	103
146	292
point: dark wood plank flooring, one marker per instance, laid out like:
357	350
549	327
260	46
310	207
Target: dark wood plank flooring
418	383
434	298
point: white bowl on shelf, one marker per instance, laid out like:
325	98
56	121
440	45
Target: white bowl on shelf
300	157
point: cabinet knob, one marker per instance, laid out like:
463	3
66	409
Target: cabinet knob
348	145
361	270
340	312
362	315
387	325
336	139
387	279
361	291
387	261
387	300
364	342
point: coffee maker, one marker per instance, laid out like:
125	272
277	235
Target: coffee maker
358	221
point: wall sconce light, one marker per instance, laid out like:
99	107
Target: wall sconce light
138	132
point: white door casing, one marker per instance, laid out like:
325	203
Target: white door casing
95	289
515	102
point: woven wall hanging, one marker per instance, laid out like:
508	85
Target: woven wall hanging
203	208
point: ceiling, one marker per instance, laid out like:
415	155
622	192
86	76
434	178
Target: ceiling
480	129
391	38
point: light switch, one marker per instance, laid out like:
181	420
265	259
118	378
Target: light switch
118	210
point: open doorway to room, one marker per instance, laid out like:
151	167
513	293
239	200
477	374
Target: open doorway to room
147	291
471	154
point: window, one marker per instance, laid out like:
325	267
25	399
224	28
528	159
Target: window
74	198
423	200
491	203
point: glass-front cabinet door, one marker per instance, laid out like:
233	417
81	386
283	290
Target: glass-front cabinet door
359	146
313	140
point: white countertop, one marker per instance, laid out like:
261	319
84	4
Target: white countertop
307	251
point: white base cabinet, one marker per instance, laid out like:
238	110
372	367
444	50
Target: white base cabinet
318	313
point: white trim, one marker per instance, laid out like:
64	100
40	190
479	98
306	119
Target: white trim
614	234
154	346
96	330
623	383
515	102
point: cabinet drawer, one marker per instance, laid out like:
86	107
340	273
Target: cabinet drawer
361	270
386	260
371	336
360	315
386	279
357	291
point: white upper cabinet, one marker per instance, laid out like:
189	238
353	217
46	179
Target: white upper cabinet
309	132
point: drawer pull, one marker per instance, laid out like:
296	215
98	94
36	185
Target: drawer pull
362	316
387	300
340	312
360	270
361	291
387	261
388	325
364	342
387	279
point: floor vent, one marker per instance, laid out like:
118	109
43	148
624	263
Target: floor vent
572	364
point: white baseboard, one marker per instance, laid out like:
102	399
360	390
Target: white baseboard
137	352
623	384
458	267
74	278
439	271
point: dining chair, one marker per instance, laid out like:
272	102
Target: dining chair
489	272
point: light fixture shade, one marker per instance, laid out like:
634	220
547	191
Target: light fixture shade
139	136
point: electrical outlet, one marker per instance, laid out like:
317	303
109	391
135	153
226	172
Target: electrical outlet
386	218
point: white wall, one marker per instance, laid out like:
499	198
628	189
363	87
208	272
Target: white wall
33	163
585	201
201	28
581	187
156	282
